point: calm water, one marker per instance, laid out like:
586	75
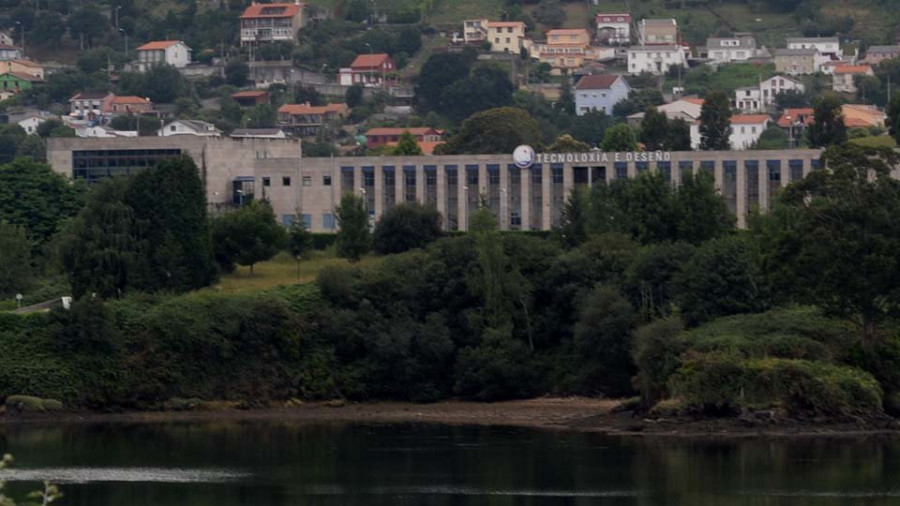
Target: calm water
285	464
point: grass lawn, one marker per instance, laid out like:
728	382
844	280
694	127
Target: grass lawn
451	13
880	141
281	271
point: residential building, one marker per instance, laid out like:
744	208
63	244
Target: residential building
529	197
189	127
600	92
249	98
10	52
274	22
655	59
687	109
613	29
169	52
103	132
794	122
799	61
863	116
17	81
568	50
760	98
6	39
658	32
258	133
129	105
746	129
379	136
371	70
306	120
830	46
475	31
741	47
90	106
506	36
31	122
843	81
877	54
23	67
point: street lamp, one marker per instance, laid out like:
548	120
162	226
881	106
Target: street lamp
118	7
370	47
122	30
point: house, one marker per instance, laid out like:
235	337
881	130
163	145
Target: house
829	46
877	54
600	93
23	67
169	52
475	31
368	70
799	61
258	133
275	22
306	120
10	52
31	122
129	104
794	122
844	77
249	98
687	109
90	105
658	32
746	129
378	137
189	127
568	50
506	36
863	116
741	47
759	98
613	29
655	59
6	39
103	132
17	81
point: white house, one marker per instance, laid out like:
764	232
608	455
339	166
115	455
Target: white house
600	93
171	52
655	59
103	132
10	52
258	133
741	47
746	129
830	46
759	98
32	122
687	109
189	127
613	29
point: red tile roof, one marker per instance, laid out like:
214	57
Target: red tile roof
853	69
567	31
506	24
399	131
790	116
369	60
597	82
23	76
158	44
856	122
270	11
294	109
749	119
130	99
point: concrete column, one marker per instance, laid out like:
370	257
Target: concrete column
525	207
399	185
420	184
764	185
357	180
546	196
462	198
741	207
482	182
719	173
785	172
632	170
807	166
442	194
504	197
568	180
379	192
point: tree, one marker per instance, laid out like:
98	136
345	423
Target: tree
32	147
488	87
36	198
772	138
15	259
407	145
573	229
715	122
893	114
299	240
791	99
353	237
87	23
354	95
602	337
567	144
550	13
493	131
701	213
828	129
590	127
246	236
261	116
679	138
619	138
439	72
236	73
406	226
654	129
49	29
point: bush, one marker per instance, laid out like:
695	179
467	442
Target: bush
406	226
656	351
500	368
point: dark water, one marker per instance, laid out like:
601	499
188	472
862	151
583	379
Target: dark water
287	464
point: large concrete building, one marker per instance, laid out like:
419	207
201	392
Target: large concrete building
526	191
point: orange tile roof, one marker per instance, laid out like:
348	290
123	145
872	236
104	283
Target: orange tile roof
250	94
427	147
294	109
856	122
399	131
853	69
23	76
749	119
369	60
693	100
130	99
158	44
566	31
790	116
256	11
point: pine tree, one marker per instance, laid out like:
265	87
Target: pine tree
354	237
715	122
828	129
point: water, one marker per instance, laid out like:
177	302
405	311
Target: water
257	463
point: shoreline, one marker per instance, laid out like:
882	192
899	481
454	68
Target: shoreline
572	414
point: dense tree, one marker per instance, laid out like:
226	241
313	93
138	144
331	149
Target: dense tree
619	138
86	23
590	127
493	131
246	236
828	129
353	237
407	146
488	87
701	212
772	138
261	116
567	144
406	226
236	73
15	259
649	281
654	130
656	352
48	30
715	122
573	229
637	101
602	338
35	197
439	72
791	99
679	138
354	95
893	119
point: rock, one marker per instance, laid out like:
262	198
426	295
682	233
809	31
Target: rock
336	403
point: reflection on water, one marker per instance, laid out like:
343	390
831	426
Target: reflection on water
278	464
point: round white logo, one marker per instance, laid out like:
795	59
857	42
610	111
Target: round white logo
523	156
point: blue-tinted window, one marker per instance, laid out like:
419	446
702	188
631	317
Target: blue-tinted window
328	221
621	170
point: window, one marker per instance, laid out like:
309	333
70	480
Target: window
753	130
326	180
328	221
172	128
743	129
266	181
507	40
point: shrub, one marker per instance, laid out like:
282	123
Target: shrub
656	351
500	368
405	227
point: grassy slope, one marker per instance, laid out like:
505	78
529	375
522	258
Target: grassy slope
282	270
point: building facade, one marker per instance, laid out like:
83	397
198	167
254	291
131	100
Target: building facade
843	80
306	120
371	70
655	59
506	36
163	52
877	54
741	47
600	93
826	45
613	29
658	31
759	98
524	196
798	61
274	22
